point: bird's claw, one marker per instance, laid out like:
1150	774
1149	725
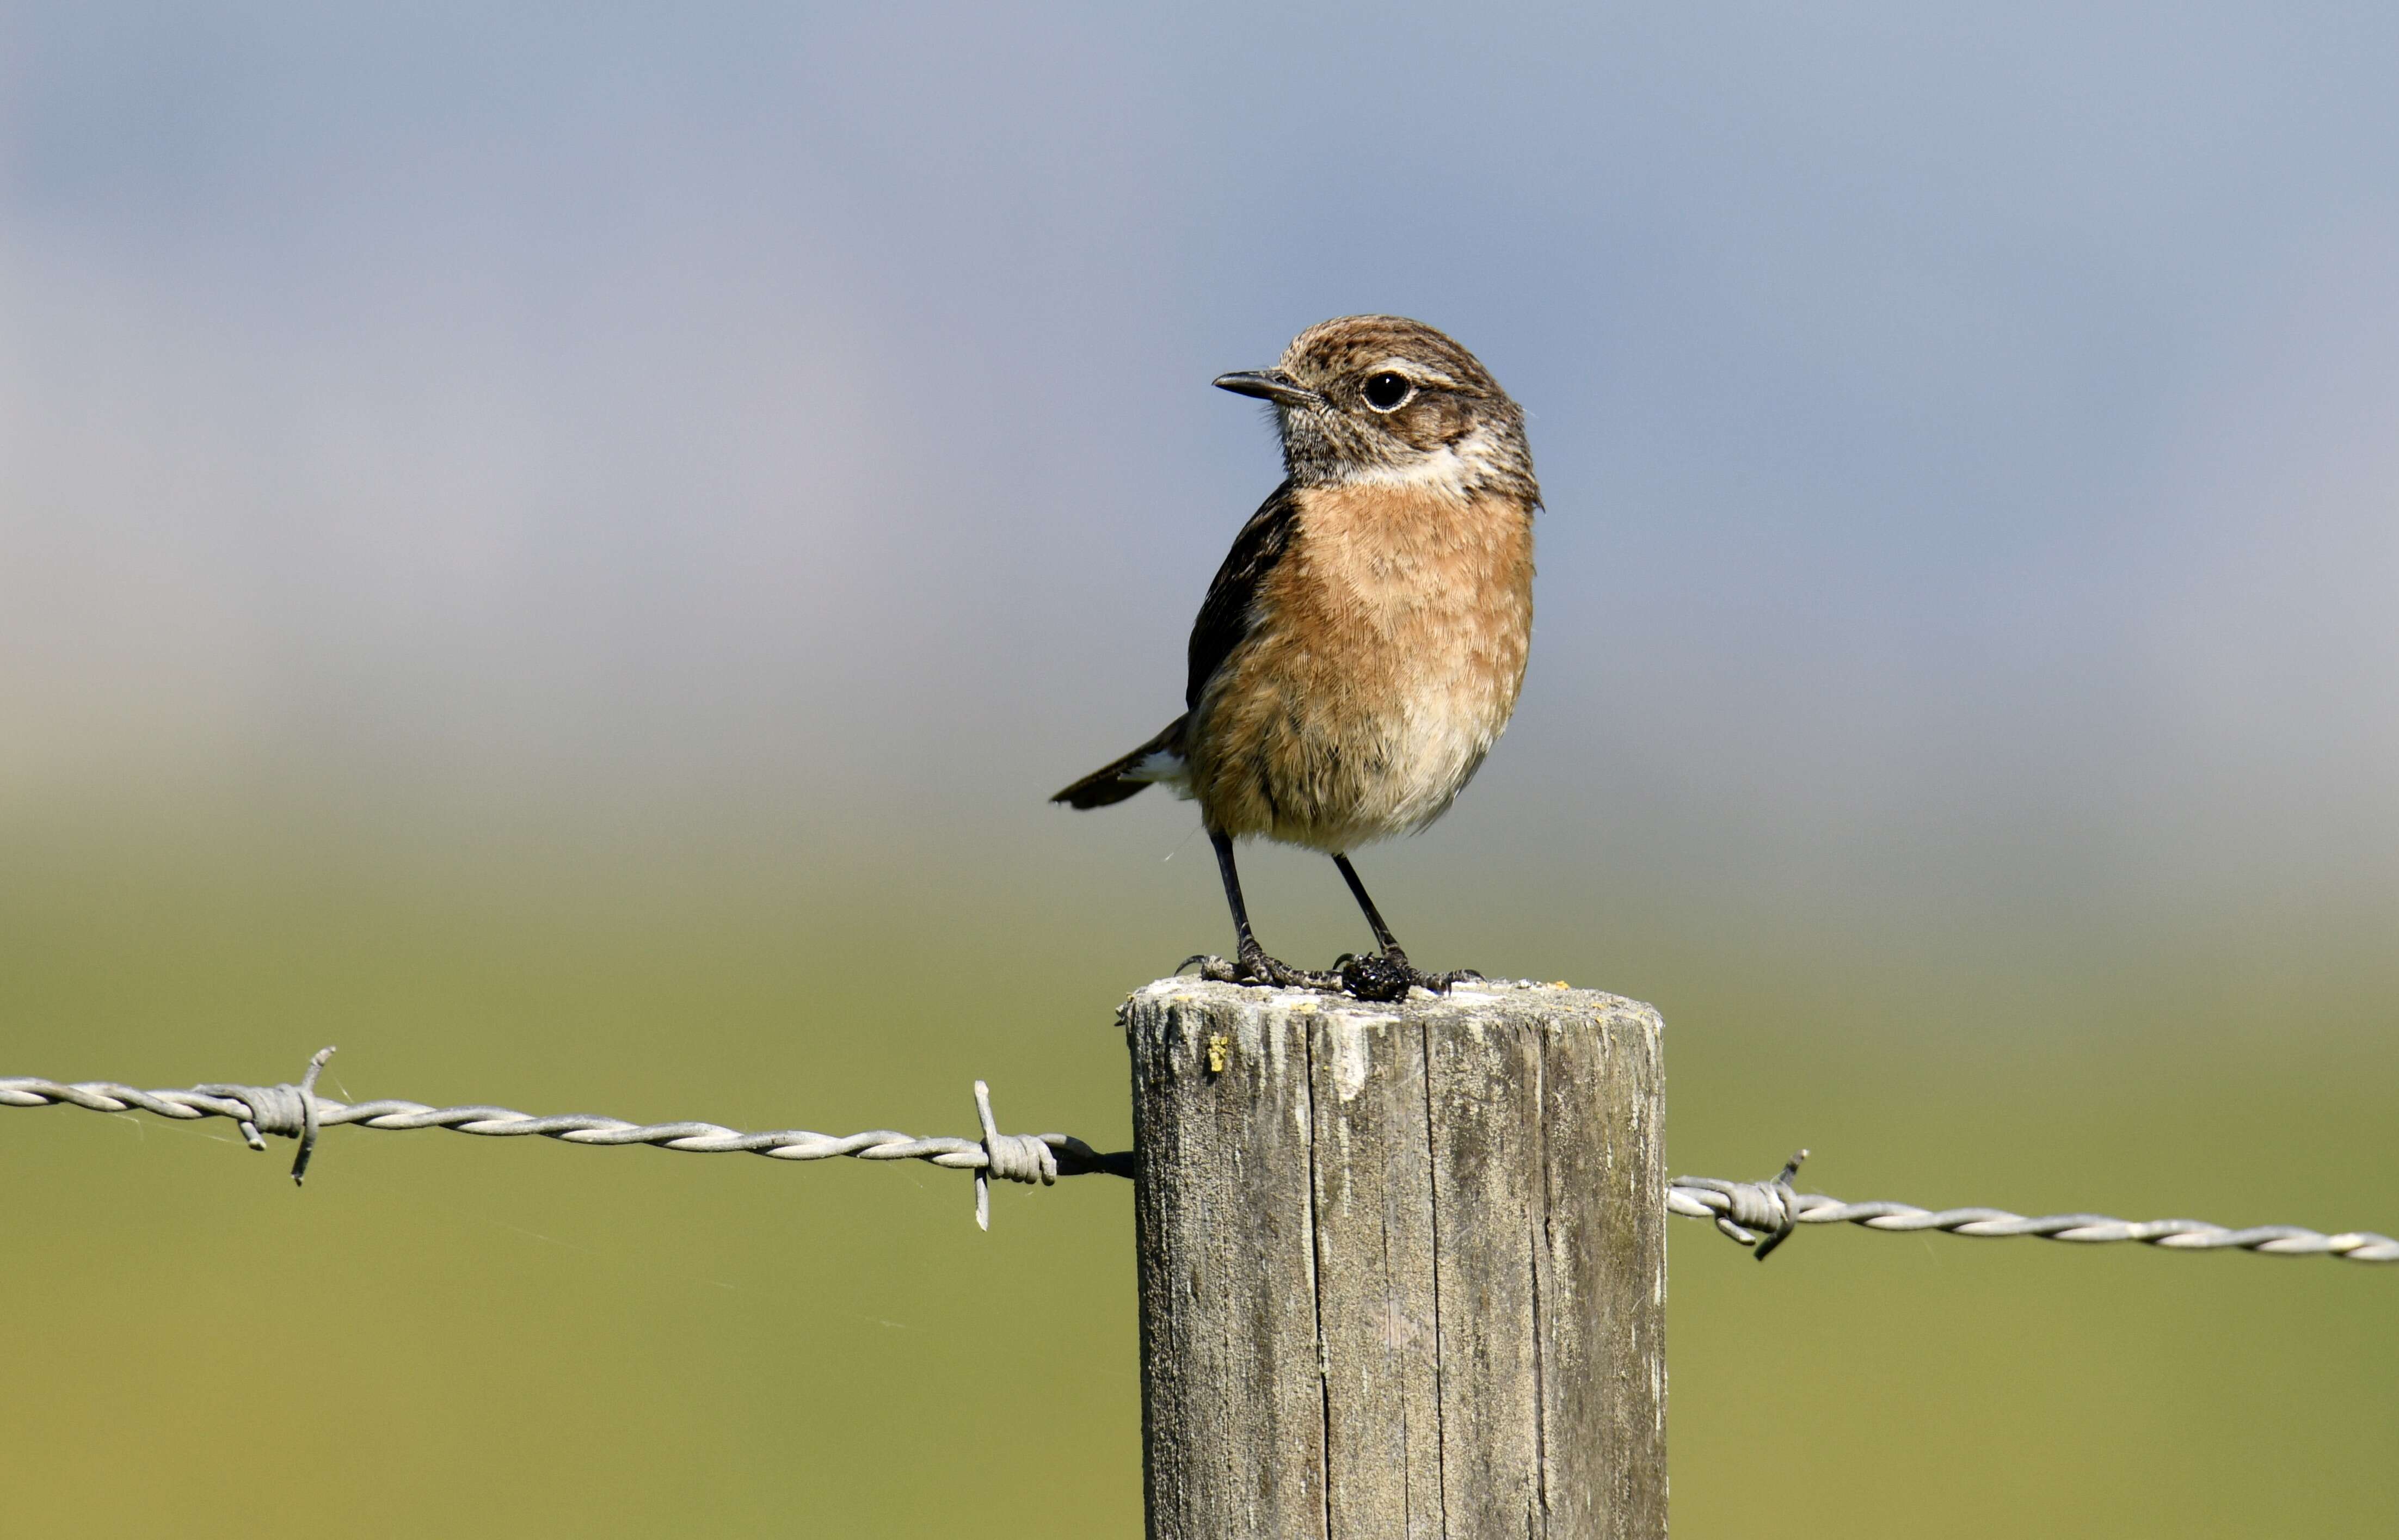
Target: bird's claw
1388	975
1258	971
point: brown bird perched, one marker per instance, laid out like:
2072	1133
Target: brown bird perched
1362	645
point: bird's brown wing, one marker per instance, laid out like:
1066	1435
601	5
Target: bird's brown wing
1225	613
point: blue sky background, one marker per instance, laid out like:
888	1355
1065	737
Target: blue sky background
1965	438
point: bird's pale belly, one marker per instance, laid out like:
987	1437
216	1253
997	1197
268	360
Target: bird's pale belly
1341	768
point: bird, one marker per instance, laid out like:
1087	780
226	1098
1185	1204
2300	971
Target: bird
1363	644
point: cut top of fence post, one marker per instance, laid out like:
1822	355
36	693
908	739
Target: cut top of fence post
1402	1266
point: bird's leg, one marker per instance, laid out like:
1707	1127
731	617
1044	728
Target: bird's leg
1389	975
1252	966
1383	937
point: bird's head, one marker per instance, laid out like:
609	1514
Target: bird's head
1381	399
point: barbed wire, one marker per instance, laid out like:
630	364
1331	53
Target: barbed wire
1760	1214
297	1111
1742	1210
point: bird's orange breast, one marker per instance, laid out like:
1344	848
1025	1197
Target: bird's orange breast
1384	656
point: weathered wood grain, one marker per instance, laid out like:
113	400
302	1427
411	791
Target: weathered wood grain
1402	1267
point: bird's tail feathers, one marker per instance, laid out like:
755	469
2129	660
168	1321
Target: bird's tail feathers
1159	759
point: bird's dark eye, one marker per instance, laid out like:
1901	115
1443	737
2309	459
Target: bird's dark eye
1388	392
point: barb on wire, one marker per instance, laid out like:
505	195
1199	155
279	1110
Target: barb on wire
296	1112
288	1109
1742	1210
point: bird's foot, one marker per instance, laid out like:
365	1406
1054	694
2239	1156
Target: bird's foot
1380	976
1256	968
1388	975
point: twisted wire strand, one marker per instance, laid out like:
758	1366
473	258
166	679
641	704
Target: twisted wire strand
1744	1210
297	1111
1760	1214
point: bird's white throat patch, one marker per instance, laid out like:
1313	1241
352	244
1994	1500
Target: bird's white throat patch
1453	470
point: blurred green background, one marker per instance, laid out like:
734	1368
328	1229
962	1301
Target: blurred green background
561	552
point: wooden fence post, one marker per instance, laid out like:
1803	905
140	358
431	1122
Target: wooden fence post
1402	1266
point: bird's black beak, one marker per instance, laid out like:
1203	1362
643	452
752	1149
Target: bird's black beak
1269	385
